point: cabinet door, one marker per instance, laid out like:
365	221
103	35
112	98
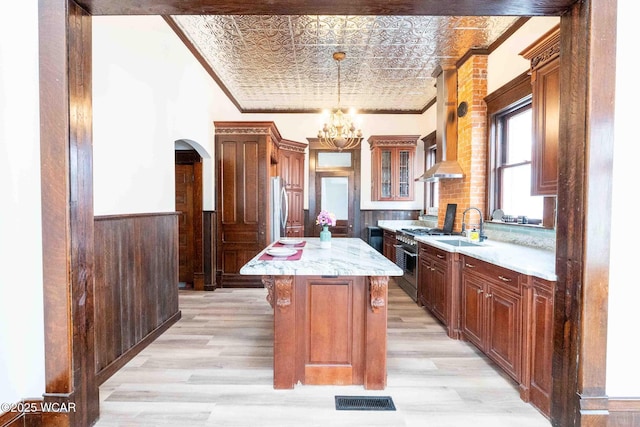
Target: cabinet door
386	174
295	219
472	310
541	344
388	250
546	123
404	181
438	289
504	329
424	272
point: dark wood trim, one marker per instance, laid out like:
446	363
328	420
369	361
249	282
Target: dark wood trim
623	412
196	54
124	358
27	412
133	215
56	170
66	158
509	93
584	198
312	7
209	226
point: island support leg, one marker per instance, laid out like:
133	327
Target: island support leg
284	333
375	375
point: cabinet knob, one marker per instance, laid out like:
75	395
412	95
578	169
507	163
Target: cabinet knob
441	256
488	295
466	264
504	279
479	291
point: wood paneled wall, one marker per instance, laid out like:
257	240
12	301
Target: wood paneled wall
136	285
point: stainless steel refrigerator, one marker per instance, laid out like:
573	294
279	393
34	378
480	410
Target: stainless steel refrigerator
279	209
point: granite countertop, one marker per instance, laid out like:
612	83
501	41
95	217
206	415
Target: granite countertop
346	257
523	259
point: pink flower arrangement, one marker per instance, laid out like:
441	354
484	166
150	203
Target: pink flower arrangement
326	218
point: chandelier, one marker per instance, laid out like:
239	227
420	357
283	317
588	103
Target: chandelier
339	131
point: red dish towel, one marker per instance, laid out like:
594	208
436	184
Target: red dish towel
299	245
266	257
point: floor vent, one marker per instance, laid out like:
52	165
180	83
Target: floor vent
364	403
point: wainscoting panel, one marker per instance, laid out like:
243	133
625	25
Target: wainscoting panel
136	285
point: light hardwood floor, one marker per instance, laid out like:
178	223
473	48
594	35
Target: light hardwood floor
214	368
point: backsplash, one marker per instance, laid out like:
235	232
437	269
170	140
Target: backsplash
537	237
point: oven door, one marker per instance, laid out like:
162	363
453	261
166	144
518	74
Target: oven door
410	266
406	259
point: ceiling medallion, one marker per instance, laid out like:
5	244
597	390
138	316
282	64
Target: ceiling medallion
339	131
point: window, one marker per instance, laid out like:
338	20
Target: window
431	196
512	163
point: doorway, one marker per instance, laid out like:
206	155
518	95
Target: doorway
188	197
334	186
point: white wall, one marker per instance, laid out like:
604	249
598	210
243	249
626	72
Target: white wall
21	295
148	92
505	63
623	354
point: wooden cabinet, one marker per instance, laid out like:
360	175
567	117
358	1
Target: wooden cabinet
544	55
388	242
291	168
245	161
392	167
433	281
539	348
491	312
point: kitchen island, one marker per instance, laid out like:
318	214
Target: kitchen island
330	313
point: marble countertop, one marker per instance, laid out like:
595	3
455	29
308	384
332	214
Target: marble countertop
346	257
523	259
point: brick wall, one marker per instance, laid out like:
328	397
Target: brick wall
472	145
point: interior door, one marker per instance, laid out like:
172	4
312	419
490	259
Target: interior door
335	193
184	205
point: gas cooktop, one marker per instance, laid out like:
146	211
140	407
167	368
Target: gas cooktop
427	232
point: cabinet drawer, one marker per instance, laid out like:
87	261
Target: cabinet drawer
425	250
507	278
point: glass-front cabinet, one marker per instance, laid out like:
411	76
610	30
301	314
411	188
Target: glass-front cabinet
392	164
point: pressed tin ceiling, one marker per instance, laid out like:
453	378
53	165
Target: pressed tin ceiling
283	63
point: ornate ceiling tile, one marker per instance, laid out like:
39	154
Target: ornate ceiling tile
284	63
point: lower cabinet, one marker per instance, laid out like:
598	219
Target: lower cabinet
538	381
432	281
491	313
388	242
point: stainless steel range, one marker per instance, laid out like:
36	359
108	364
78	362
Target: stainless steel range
407	259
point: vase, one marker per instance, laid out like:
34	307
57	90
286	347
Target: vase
325	237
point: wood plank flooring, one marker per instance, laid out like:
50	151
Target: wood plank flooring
214	368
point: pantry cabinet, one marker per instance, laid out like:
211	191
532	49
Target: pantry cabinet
246	159
392	167
491	312
291	156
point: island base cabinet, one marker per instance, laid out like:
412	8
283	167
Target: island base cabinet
329	330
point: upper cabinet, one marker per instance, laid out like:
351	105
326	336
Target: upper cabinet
544	55
392	167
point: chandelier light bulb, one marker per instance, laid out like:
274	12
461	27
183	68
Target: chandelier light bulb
340	130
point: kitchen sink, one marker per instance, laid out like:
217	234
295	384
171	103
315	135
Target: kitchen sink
459	242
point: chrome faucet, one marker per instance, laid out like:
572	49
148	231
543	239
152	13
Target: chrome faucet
482	236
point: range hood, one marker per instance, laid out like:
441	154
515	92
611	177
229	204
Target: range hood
446	166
